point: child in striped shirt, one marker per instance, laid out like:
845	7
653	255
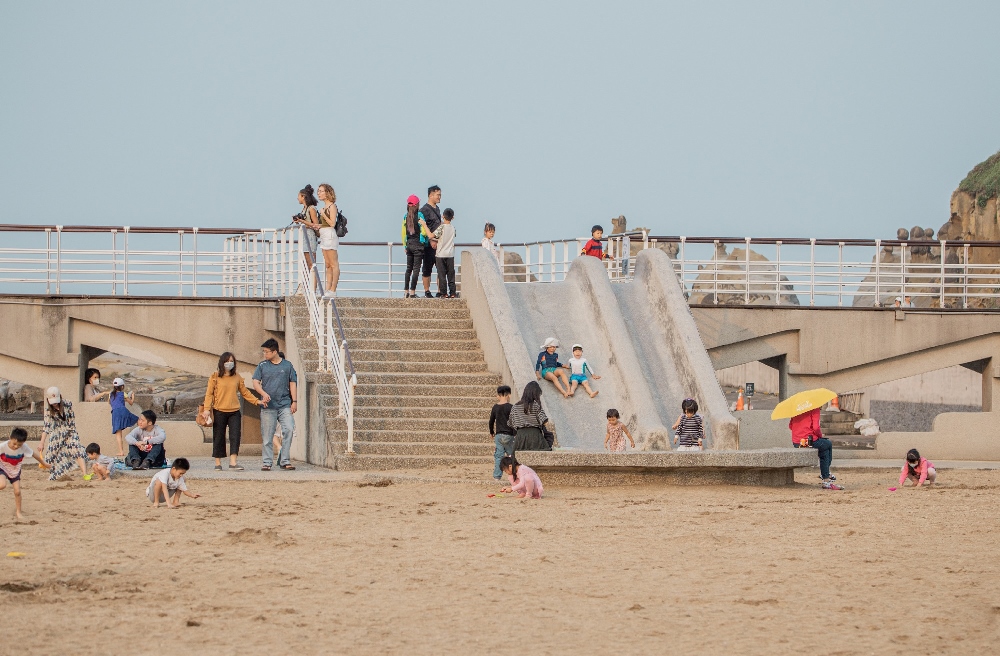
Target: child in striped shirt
689	427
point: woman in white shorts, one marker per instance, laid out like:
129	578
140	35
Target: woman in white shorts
328	240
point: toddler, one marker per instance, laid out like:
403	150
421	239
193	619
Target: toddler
918	469
689	427
168	485
523	479
100	466
11	454
614	439
547	366
488	244
578	370
594	247
121	418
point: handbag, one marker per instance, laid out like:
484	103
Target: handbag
200	417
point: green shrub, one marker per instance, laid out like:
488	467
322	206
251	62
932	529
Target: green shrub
983	181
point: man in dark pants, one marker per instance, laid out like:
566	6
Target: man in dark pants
145	443
432	217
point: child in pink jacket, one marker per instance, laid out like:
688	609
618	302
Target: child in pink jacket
523	479
917	469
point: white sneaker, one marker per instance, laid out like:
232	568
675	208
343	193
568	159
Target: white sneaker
330	295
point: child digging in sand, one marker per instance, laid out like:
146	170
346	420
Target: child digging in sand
614	439
11	455
548	367
100	466
523	479
168	485
578	370
918	469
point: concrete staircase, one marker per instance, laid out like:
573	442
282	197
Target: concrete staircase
424	394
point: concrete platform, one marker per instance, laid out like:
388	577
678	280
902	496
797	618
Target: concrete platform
767	467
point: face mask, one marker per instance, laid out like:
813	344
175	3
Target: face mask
229	366
97	381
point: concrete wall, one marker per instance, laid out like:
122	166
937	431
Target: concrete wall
764	378
491	309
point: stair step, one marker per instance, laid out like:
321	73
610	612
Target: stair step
411	426
423	391
417	412
422	449
394	366
480	380
388	331
384	463
430	322
361	355
403	402
480	438
392	347
368	302
411	313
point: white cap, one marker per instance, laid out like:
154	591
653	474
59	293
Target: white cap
551	341
577	346
52	395
117	381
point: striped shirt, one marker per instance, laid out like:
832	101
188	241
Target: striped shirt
534	417
690	430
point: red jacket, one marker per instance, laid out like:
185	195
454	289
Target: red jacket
594	248
804	426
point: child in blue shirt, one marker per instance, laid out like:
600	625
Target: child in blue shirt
548	367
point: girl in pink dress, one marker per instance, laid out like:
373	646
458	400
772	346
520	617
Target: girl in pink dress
523	479
614	439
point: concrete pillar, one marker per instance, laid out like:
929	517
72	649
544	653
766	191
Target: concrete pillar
780	362
991	385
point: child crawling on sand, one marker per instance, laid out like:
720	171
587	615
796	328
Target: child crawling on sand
523	479
168	485
100	466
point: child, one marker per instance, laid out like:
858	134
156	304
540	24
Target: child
445	256
488	233
500	430
11	454
548	366
121	418
100	466
613	440
689	427
593	247
579	368
523	479
168	485
917	469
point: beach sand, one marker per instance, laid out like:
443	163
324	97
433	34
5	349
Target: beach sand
420	568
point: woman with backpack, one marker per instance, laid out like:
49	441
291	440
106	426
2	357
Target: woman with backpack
414	239
328	239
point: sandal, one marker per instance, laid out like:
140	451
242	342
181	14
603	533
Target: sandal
236	467
265	468
288	467
218	468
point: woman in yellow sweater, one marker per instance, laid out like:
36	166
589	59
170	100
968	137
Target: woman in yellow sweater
222	408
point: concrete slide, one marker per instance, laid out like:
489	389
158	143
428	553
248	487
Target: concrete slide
639	336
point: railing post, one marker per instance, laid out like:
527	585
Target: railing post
902	274
840	274
342	376
194	262
125	260
566	259
114	262
777	272
58	258
350	414
552	264
812	272
715	274
180	263
527	263
683	260
878	269
746	297
965	277
48	260
389	244
941	296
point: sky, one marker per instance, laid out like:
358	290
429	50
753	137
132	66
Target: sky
764	119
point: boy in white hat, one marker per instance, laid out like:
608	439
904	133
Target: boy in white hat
578	370
547	366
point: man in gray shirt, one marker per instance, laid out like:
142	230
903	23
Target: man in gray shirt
276	382
145	443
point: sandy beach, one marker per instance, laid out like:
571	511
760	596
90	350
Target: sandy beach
427	568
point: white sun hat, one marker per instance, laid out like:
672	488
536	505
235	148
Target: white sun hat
551	341
52	395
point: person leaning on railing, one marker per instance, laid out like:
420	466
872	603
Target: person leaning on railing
328	240
308	218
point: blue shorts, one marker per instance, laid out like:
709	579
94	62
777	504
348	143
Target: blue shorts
12	480
578	378
548	370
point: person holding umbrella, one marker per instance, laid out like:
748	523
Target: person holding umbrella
802	411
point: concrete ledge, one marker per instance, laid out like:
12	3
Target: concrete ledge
768	467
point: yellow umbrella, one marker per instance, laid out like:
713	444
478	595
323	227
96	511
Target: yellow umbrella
802	403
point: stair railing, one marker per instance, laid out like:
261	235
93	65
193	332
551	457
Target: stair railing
326	326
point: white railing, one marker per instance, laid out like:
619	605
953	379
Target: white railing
326	327
712	271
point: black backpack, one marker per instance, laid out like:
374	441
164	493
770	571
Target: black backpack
340	224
